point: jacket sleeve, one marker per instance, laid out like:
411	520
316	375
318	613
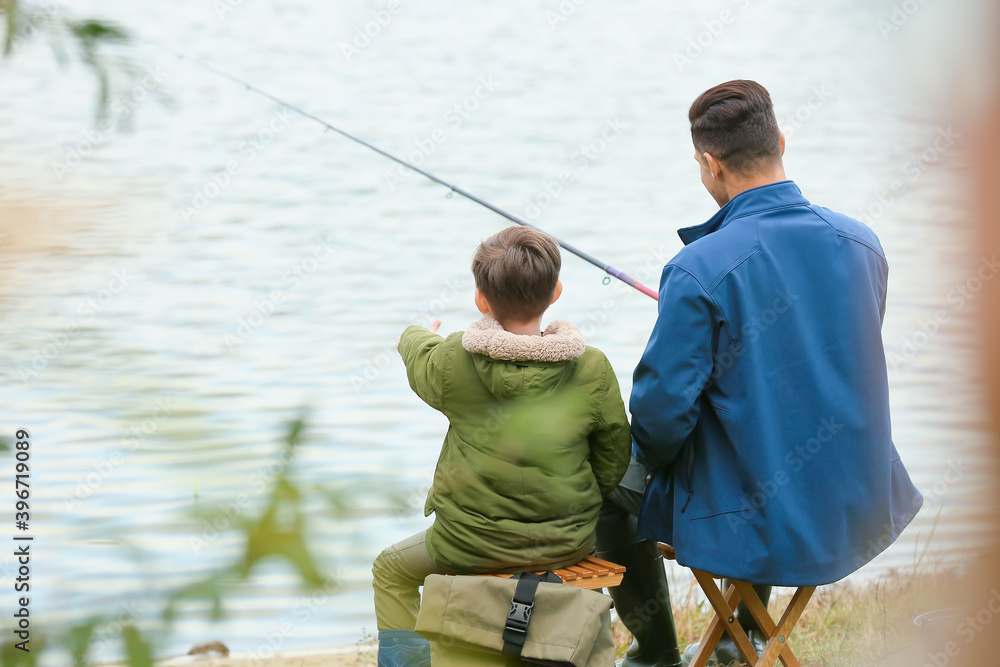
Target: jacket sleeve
882	287
423	356
674	369
611	442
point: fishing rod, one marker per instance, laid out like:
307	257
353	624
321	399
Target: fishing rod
607	268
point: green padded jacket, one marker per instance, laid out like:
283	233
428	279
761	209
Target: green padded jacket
537	436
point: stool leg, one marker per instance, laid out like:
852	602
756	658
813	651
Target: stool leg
724	605
777	646
743	614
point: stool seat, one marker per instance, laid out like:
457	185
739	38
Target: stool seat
724	621
590	573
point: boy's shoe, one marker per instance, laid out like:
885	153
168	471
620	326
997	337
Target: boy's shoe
725	653
403	648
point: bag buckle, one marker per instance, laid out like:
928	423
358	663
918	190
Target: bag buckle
518	617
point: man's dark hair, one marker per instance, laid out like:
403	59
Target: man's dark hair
517	269
734	122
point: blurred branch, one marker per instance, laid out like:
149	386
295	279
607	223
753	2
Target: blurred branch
91	37
278	532
9	10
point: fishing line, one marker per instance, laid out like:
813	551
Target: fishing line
452	188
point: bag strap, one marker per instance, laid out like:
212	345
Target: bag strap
515	630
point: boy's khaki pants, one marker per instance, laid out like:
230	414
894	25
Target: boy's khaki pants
399	572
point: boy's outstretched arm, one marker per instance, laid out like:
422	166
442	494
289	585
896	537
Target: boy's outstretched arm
611	441
421	352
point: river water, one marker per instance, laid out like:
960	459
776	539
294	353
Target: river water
178	286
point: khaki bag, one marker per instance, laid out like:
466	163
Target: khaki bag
464	618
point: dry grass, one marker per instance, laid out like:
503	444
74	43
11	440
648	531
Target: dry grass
856	624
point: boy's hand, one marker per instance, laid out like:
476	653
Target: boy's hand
432	328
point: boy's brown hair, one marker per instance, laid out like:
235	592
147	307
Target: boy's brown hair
735	123
517	269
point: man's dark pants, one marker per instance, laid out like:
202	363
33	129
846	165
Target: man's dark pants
643	599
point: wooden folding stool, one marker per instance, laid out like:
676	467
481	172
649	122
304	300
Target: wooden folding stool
724	620
590	573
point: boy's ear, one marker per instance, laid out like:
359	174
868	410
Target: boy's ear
558	292
481	303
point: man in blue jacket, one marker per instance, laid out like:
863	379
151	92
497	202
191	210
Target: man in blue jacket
760	407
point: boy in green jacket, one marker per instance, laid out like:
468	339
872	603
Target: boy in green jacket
537	436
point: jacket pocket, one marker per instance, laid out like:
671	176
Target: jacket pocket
721	532
729	421
723	512
714	485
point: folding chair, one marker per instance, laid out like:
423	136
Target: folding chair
725	604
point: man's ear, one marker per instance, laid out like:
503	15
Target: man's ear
782	135
558	292
481	303
714	166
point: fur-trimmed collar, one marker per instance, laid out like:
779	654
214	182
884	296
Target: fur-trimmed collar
561	341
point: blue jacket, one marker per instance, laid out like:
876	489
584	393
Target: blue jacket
761	403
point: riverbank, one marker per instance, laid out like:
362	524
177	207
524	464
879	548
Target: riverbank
846	624
362	655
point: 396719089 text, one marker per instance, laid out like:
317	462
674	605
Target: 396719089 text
22	541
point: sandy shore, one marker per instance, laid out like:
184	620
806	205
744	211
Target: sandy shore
353	656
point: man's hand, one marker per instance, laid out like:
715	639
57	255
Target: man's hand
432	328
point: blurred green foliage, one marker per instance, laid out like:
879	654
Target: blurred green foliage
277	532
24	21
137	650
